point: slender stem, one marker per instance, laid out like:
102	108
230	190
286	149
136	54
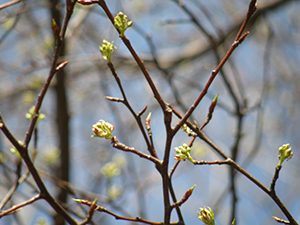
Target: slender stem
53	70
8	4
167	116
213	75
90	214
23	148
269	192
138	60
251	10
121	146
232	163
19	180
174	168
172	192
201	135
275	178
19	206
134	114
175	203
44	191
165	166
119	217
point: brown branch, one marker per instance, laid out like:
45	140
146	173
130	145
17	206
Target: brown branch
266	190
251	10
236	166
55	67
9	135
164	171
19	206
118	217
201	135
214	73
62	114
23	148
125	148
33	171
138	60
269	192
172	192
166	110
20	179
171	62
184	198
88	219
136	116
8	4
174	168
13	25
210	113
275	178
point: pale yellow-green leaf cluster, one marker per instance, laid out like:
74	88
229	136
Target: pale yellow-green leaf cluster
103	129
107	49
183	153
284	153
122	23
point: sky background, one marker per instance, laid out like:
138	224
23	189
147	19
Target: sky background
266	65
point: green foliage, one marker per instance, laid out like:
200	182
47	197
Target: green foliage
30	114
15	152
114	192
103	129
114	167
2	158
28	97
51	157
41	222
183	153
284	153
122	23
110	169
106	50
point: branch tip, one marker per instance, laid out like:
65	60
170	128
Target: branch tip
61	65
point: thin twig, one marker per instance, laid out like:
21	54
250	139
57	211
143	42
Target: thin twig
125	148
138	60
214	73
275	178
19	206
173	63
12	190
90	214
119	217
136	116
8	4
229	161
23	148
